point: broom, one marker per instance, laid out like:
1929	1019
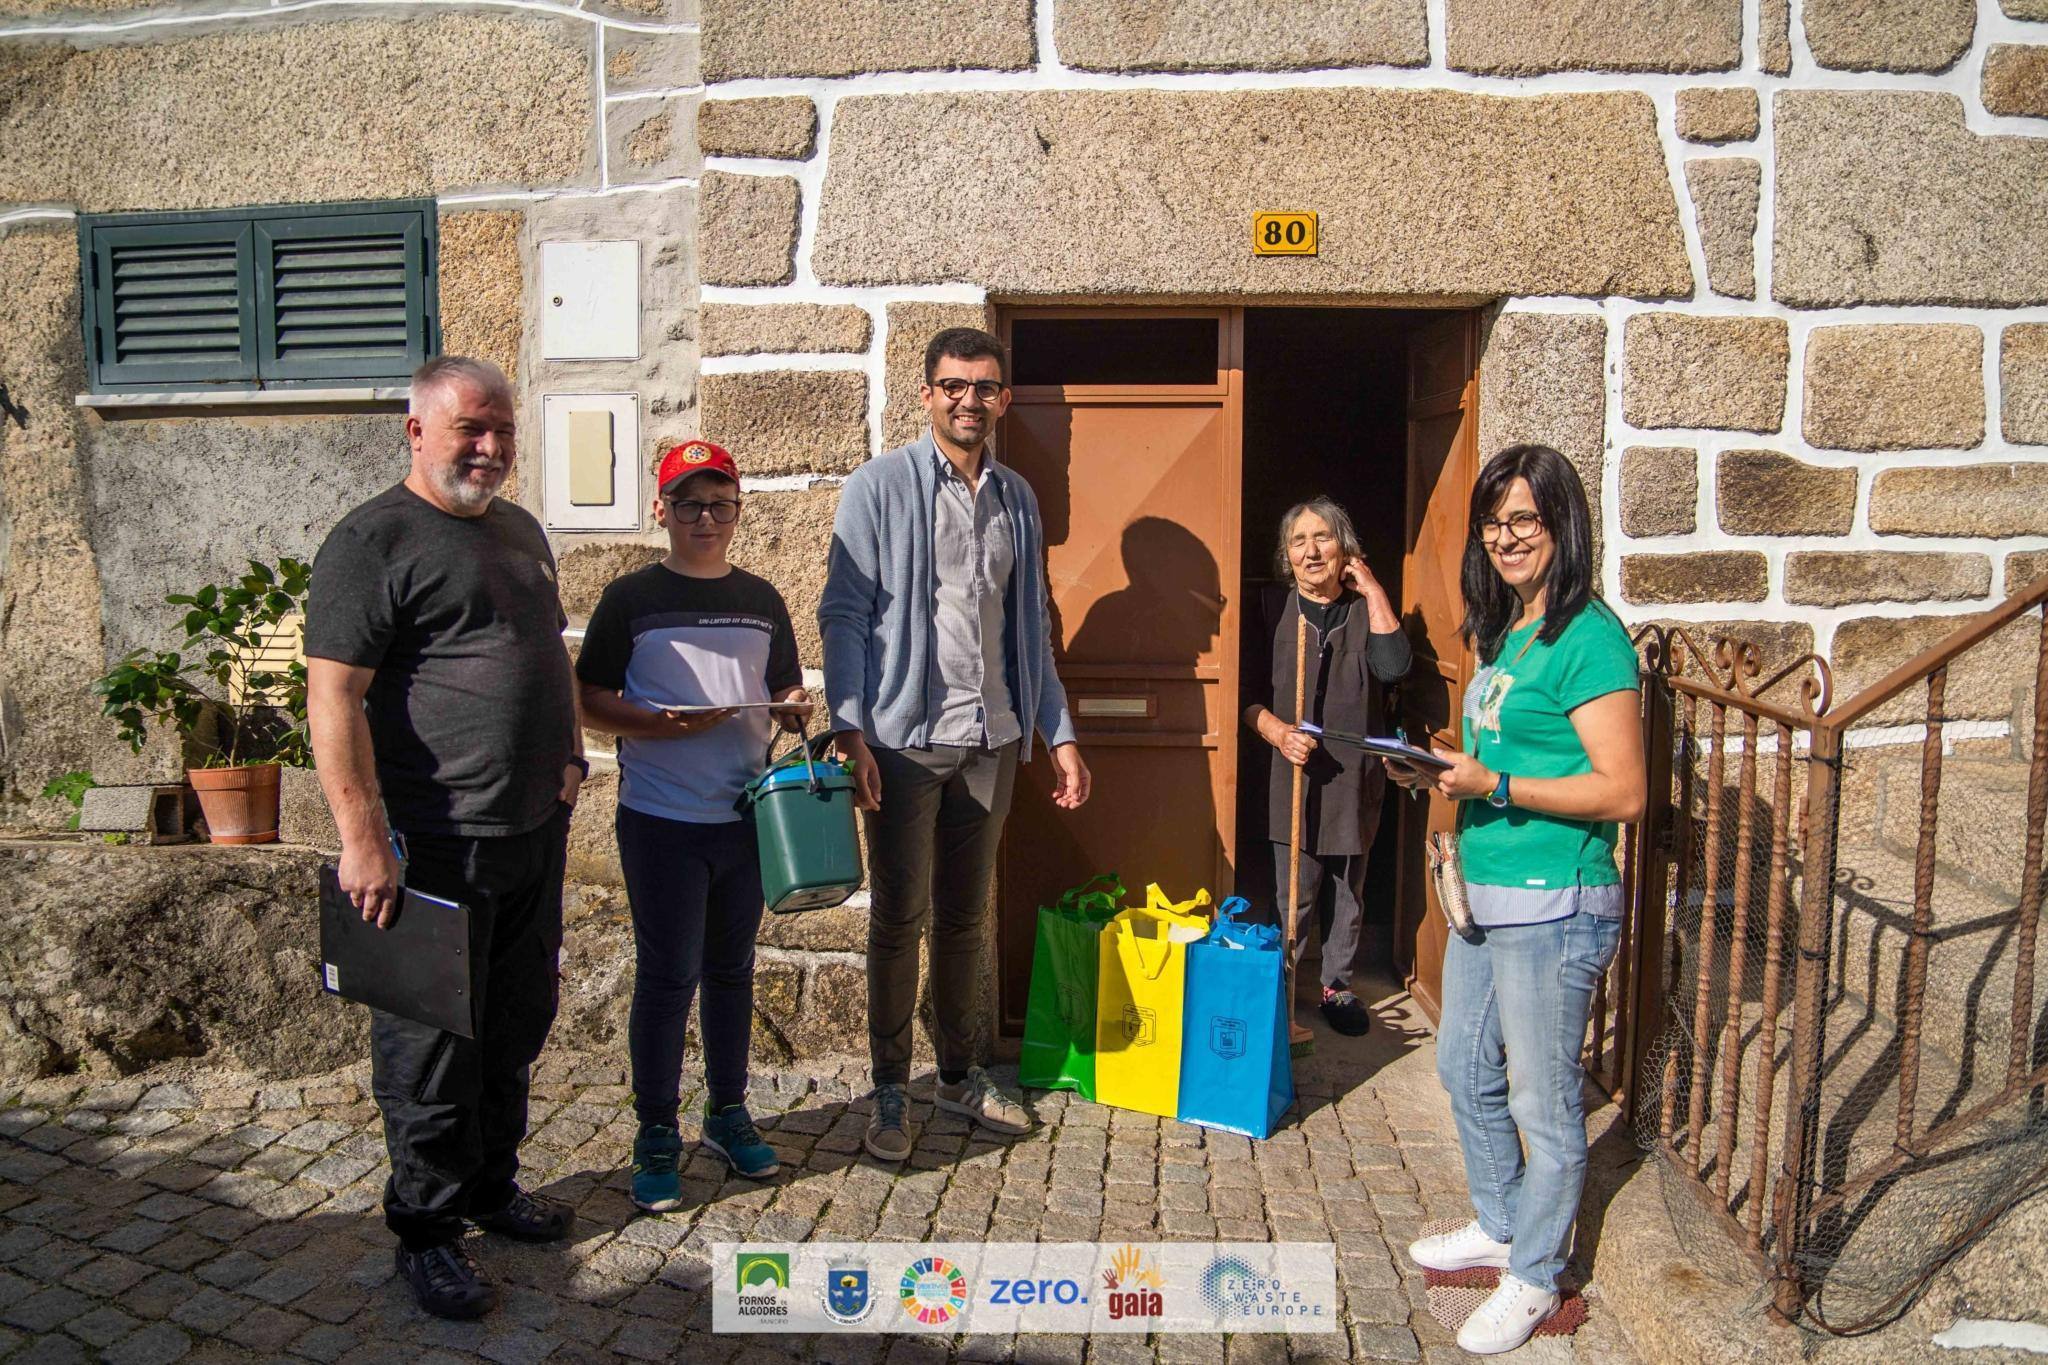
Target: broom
1301	1043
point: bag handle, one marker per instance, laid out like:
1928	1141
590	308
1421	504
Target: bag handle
1084	899
1157	899
1128	938
1232	907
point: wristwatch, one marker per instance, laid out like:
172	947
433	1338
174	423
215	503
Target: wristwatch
1499	799
579	761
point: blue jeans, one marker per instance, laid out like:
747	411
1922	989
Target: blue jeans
1515	1007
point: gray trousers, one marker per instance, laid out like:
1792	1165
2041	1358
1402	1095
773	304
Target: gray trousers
1331	887
931	857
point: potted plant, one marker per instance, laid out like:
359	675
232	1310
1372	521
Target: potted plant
235	692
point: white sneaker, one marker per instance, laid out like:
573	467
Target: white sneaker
1464	1249
1506	1319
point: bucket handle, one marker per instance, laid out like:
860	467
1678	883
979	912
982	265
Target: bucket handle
807	743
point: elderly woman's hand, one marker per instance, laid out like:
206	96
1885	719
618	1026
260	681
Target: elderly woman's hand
1294	745
1359	578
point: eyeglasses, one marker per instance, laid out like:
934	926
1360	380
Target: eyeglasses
1520	526
987	390
724	511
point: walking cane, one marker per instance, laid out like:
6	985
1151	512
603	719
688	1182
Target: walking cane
1300	1041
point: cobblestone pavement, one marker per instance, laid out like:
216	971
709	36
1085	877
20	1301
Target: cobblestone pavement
191	1217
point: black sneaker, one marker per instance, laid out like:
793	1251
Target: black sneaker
1346	1013
529	1218
446	1283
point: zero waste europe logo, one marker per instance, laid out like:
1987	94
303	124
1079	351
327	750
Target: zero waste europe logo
933	1290
1232	1289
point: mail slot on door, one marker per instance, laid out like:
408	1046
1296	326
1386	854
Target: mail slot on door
1127	706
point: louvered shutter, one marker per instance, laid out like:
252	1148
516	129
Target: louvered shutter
342	296
173	303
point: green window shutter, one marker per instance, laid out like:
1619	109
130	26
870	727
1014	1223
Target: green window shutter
171	303
342	296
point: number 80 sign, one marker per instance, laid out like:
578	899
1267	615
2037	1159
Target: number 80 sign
1283	234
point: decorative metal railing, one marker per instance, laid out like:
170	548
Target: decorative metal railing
1769	1024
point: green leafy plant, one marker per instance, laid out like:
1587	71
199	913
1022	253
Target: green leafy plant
70	787
254	710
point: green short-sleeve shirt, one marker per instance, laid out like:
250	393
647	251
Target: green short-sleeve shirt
1518	721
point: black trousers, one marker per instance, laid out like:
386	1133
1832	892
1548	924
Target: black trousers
455	1108
1330	906
931	858
696	896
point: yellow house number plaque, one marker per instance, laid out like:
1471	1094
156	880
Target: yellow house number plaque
1283	234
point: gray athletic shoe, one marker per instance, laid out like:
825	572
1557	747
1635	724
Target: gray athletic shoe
887	1139
978	1098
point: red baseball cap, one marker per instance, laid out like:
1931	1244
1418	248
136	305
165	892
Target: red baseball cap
694	457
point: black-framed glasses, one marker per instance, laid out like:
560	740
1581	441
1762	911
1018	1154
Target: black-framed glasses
724	511
1519	526
987	390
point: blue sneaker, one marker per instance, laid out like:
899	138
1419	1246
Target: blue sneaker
731	1133
656	1151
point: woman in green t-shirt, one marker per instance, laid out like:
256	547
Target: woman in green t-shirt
1552	763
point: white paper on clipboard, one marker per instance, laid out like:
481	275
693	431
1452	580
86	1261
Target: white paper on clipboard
738	706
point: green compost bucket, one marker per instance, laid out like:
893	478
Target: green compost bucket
804	823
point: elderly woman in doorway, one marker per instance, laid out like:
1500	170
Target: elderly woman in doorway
1552	763
1355	643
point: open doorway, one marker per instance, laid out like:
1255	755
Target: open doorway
1325	412
1163	444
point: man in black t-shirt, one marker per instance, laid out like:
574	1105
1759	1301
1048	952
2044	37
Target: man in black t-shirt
442	710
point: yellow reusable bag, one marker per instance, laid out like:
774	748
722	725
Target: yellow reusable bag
1140	990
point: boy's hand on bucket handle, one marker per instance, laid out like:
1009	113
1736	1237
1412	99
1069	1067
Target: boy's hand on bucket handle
794	721
852	746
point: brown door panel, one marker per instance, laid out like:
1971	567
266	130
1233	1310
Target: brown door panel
1140	490
1443	461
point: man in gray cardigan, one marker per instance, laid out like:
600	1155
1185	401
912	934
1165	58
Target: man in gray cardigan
938	670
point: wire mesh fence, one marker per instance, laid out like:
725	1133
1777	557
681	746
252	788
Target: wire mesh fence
1846	1065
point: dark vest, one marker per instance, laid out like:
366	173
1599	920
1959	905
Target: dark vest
1343	786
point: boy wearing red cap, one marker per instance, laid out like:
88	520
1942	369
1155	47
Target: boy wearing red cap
690	631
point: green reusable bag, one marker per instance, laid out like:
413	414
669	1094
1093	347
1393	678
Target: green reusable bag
1059	1017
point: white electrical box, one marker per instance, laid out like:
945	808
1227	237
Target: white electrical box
590	461
590	300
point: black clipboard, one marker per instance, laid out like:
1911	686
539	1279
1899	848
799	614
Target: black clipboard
1399	750
419	968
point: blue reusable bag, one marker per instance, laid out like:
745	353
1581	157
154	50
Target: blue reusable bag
1235	1072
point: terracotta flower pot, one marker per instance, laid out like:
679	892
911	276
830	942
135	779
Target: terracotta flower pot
240	804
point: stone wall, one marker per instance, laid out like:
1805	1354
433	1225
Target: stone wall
1775	293
105	512
1771	280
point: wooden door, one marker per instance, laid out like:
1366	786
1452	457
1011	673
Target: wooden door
1139	486
1443	462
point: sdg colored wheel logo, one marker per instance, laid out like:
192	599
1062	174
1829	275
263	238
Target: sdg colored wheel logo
933	1291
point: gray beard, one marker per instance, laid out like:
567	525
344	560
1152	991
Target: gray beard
460	492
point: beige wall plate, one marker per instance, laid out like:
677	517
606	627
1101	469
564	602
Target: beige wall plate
590	462
591	458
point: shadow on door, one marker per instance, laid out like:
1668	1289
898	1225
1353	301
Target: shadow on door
1164	445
